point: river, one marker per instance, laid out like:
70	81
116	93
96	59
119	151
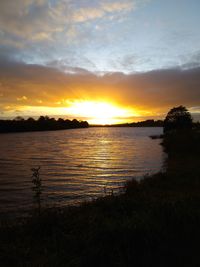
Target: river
76	165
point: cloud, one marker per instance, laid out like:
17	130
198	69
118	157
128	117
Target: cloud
118	6
103	9
41	31
42	19
192	60
22	18
85	14
98	35
154	92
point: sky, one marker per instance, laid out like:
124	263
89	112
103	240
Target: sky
106	61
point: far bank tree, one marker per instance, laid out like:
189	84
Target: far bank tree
178	118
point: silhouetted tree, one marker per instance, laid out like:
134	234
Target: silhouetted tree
41	119
44	123
147	123
60	120
178	118
30	120
19	118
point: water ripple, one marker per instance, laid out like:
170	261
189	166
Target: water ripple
76	165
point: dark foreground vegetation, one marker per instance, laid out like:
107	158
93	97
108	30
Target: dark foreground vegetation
154	222
44	123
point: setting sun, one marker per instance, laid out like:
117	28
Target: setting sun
100	112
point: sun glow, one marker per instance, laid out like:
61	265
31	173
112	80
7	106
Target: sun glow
96	112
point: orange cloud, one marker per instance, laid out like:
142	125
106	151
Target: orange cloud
150	94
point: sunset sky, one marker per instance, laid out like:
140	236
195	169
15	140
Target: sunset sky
106	61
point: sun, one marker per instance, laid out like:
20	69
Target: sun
98	112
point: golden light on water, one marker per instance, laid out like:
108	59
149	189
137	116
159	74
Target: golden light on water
97	112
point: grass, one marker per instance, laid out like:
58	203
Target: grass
155	222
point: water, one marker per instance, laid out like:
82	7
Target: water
76	165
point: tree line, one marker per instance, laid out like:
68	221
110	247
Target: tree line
43	123
146	123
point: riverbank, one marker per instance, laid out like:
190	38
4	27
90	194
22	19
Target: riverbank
155	222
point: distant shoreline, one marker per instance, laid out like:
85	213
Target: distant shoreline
146	123
90	126
44	123
35	131
122	126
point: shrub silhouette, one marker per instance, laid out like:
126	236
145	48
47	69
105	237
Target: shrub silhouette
178	118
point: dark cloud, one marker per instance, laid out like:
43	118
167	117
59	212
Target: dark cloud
34	85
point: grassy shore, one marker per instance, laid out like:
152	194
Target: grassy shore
155	222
